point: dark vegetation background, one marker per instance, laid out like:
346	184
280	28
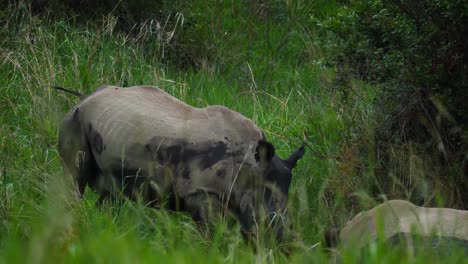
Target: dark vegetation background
416	53
380	87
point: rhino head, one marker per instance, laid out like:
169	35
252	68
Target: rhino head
273	198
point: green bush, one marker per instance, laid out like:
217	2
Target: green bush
416	51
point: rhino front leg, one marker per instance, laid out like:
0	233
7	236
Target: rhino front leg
247	218
205	209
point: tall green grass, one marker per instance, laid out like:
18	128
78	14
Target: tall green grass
268	71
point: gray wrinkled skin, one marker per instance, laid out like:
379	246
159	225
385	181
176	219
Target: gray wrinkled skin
395	220
151	147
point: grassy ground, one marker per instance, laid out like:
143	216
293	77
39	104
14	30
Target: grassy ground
270	73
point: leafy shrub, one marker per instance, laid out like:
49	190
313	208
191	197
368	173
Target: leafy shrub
417	52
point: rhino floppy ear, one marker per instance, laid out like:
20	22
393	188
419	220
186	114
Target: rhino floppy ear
292	160
264	152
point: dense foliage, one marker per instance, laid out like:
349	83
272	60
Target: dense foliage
416	52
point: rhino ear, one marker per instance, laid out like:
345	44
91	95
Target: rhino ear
292	160
264	152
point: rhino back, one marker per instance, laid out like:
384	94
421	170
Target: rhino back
143	127
400	216
143	112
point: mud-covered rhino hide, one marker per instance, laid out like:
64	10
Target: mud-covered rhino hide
149	146
399	222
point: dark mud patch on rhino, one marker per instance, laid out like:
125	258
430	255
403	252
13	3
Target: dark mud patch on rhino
132	181
221	173
136	183
95	140
441	245
180	151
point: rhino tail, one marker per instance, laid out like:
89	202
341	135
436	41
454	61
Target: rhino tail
80	95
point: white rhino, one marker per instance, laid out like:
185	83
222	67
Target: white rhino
144	143
397	220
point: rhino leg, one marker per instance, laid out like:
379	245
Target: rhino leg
76	154
205	209
247	217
